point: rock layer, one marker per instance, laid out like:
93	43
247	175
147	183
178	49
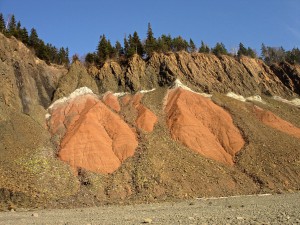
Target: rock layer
202	126
95	138
145	119
270	119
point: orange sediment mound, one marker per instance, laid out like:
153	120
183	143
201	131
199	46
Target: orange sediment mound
202	126
111	101
95	138
146	119
271	120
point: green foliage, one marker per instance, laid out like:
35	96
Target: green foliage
91	58
179	44
44	51
219	49
293	56
33	40
150	44
104	49
204	48
192	47
12	27
2	24
164	43
246	51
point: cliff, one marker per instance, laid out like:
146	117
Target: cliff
161	129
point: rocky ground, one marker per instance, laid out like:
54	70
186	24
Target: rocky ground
263	209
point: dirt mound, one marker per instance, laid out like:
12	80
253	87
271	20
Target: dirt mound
202	126
111	101
95	138
145	119
270	119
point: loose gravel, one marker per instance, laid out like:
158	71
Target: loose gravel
260	209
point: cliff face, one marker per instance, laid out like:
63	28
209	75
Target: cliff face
95	146
27	84
204	72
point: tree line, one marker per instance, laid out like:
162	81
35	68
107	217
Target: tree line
44	51
132	44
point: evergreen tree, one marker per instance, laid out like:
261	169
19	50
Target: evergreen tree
91	58
192	46
164	43
2	24
293	56
118	49
251	53
33	40
12	26
135	46
204	48
18	31
179	44
242	50
219	49
126	46
150	45
24	36
103	49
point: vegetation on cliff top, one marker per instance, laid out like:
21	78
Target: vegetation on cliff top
132	44
47	52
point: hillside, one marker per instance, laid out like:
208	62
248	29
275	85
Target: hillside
154	130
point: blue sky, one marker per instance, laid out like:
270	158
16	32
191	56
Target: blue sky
78	24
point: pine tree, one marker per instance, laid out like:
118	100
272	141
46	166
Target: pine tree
12	26
251	53
192	46
164	43
126	46
103	49
24	36
18	31
134	45
179	44
204	48
150	45
242	50
118	49
219	49
2	24
33	40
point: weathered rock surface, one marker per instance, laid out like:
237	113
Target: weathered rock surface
76	77
27	84
201	125
289	75
204	72
270	119
95	138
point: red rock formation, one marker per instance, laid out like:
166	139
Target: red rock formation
111	101
271	120
146	119
95	138
202	126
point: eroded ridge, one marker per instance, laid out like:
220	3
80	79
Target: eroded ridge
95	138
270	119
202	126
